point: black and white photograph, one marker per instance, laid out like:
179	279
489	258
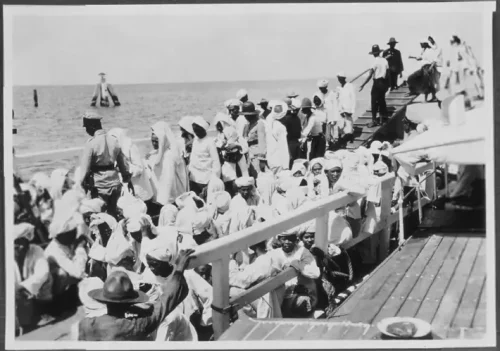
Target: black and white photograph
249	175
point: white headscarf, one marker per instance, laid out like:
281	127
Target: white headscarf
41	182
168	215
214	186
131	205
170	171
92	205
67	215
57	179
100	218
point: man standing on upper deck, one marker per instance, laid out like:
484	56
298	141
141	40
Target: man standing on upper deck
98	171
379	71
346	102
393	57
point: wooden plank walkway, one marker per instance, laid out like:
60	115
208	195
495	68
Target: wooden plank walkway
440	278
396	102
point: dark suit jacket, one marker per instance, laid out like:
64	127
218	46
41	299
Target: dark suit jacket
394	59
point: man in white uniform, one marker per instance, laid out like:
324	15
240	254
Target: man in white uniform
379	71
346	103
330	105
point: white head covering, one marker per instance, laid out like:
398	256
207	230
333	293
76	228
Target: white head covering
322	103
137	222
341	74
278	109
333	163
124	140
24	230
241	94
168	215
92	205
40	181
67	215
375	146
222	200
298	167
232	102
100	218
380	167
322	83
186	123
200	121
57	179
315	161
166	141
201	222
330	154
244	181
224	119
214	186
131	205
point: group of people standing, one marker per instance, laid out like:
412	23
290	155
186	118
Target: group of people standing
120	233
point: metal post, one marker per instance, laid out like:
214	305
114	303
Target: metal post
434	181
401	215
419	201
446	180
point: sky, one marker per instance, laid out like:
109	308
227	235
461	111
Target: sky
189	43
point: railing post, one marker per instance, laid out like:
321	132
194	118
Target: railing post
419	201
401	235
385	211
434	183
220	283
321	235
447	192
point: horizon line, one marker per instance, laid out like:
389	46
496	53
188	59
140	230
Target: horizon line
177	82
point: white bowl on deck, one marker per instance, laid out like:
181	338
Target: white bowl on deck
423	328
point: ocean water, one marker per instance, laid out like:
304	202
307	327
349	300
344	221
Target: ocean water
56	123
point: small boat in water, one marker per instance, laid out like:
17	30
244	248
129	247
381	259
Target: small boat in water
104	91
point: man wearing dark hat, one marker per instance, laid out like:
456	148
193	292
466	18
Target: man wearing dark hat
255	134
99	175
293	126
265	111
393	57
379	71
119	295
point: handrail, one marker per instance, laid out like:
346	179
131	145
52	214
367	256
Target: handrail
359	75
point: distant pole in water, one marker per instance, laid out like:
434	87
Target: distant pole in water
104	91
14	130
35	97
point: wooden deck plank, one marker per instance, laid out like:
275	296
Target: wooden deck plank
355	305
261	330
301	331
356	331
337	332
410	278
450	301
413	300
438	288
472	294
479	320
317	332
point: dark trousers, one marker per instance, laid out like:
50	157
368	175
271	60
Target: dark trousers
379	89
318	146
393	80
293	150
153	210
110	196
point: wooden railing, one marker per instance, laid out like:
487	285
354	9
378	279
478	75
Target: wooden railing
218	252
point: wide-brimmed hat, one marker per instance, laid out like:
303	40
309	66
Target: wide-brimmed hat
118	288
102	74
292	94
248	109
392	41
375	49
306	103
90	117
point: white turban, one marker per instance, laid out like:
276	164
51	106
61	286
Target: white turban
57	179
232	102
244	181
322	83
278	110
40	181
380	167
329	155
100	218
131	205
309	227
136	223
201	222
241	94
214	186
200	121
161	254
222	200
375	147
333	163
24	230
168	215
186	123
92	205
